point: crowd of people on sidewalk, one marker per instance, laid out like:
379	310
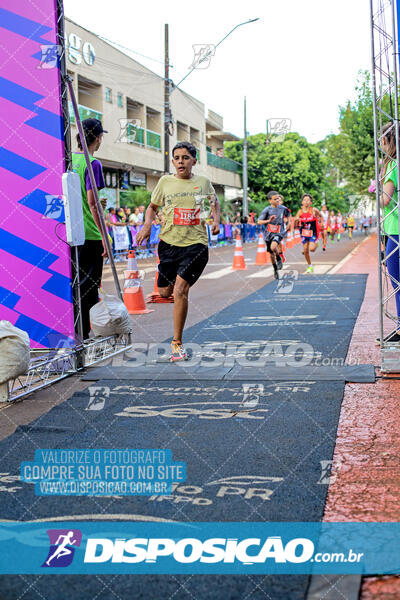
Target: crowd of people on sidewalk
248	227
123	224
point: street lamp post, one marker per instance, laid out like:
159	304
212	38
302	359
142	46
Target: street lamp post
207	55
168	82
244	176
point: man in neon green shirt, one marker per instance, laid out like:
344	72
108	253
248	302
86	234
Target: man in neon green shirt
183	247
94	249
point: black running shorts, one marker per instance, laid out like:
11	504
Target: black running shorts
276	237
188	262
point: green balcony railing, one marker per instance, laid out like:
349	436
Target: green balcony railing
222	162
153	139
89	113
84	112
135	135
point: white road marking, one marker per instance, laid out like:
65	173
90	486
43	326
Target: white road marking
262	274
219	273
268	272
321	269
278	318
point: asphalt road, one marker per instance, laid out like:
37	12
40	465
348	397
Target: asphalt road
218	288
224	433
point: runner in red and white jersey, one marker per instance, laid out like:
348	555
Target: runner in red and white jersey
325	218
332	223
309	221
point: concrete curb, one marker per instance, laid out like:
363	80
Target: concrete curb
337	587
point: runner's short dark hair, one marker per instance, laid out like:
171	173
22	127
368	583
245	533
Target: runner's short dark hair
271	194
307	196
188	146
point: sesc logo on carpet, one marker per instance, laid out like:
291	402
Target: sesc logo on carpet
62	550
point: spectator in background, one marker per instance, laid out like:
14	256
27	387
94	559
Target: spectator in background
121	216
365	224
243	222
111	220
134	217
236	225
141	214
111	217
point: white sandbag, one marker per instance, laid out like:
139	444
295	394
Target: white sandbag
14	351
110	317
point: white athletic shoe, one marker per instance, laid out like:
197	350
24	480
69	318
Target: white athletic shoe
178	352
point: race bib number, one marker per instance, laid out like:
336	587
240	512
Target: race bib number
186	216
273	228
306	232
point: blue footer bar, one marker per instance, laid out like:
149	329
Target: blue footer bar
74	547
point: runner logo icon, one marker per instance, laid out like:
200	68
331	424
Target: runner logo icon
98	395
329	472
251	394
62	547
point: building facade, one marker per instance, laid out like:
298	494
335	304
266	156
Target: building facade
129	100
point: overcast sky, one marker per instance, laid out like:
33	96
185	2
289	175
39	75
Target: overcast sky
299	61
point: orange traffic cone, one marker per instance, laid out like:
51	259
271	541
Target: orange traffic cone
262	255
289	240
238	258
133	293
154	297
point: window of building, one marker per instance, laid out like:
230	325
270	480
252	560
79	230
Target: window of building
108	95
119	99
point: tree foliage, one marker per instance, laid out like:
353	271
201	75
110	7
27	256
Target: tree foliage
331	170
352	150
133	198
292	167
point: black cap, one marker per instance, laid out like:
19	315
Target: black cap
93	126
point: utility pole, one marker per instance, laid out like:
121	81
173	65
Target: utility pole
167	106
244	176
